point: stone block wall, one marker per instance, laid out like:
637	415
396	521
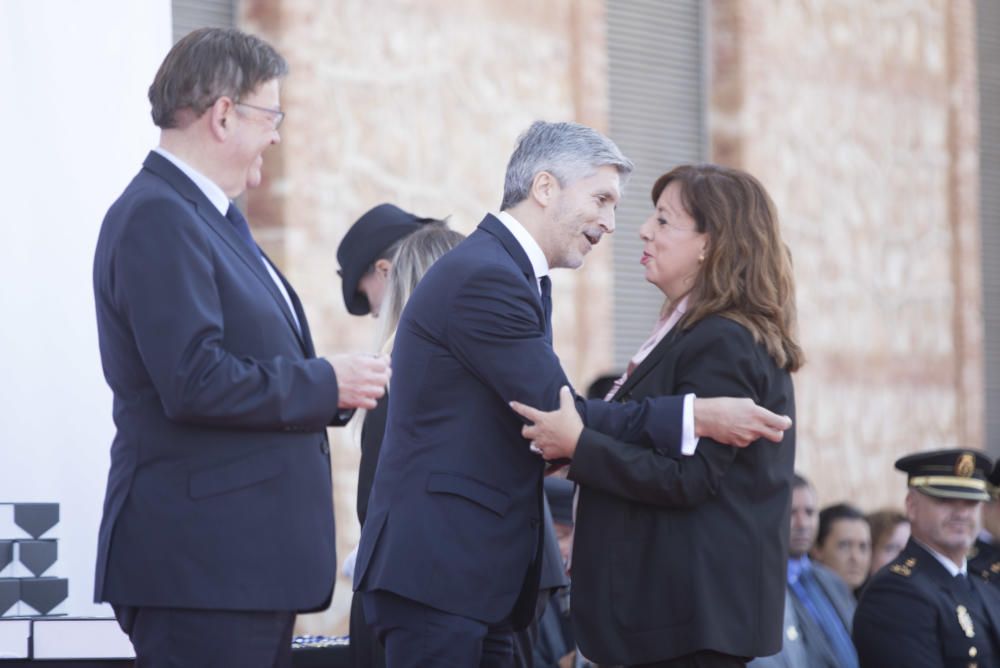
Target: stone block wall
860	119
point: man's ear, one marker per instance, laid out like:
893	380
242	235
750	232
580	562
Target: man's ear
544	188
383	266
220	118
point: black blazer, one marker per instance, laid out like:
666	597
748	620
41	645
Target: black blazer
219	490
673	555
909	617
372	431
455	515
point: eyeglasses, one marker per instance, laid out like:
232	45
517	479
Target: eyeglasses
279	115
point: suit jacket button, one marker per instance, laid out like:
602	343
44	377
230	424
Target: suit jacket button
324	447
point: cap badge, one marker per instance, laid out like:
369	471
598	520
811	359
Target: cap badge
965	466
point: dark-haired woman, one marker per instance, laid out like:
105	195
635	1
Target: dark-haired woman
681	561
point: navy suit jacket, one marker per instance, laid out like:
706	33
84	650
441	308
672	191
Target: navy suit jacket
219	492
455	514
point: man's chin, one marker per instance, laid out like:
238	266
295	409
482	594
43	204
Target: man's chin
253	179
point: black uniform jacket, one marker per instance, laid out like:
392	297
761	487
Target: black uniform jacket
914	614
984	561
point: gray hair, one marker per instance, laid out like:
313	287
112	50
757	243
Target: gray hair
207	64
568	151
414	256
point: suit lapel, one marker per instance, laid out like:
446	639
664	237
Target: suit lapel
491	225
166	170
654	357
817	646
843	606
946	581
304	337
986	595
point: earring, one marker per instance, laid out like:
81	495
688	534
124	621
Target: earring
701	258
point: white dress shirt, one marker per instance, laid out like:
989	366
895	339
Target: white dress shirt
949	565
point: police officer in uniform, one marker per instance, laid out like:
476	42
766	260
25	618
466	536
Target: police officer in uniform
922	610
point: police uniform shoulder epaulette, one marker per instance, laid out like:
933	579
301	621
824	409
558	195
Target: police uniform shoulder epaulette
904	567
992	572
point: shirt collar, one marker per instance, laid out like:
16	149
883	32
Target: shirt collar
948	564
531	248
206	185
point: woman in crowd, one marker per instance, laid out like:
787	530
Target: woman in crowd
681	562
890	531
414	256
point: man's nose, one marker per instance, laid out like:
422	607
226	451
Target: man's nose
608	222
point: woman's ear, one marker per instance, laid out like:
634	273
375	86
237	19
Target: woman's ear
383	266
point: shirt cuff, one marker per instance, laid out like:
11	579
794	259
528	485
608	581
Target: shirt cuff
689	442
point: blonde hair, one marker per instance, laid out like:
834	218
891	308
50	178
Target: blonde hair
746	275
414	256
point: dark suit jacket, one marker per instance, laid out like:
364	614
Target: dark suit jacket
909	617
675	555
818	649
219	490
455	514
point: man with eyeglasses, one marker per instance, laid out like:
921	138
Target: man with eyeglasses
218	520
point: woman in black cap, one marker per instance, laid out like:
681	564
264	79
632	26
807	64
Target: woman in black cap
365	255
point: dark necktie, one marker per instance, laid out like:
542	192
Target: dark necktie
239	223
814	598
546	284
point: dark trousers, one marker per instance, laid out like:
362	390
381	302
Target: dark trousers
182	638
417	636
704	659
366	650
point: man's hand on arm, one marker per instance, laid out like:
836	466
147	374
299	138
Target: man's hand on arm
737	422
553	434
361	379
